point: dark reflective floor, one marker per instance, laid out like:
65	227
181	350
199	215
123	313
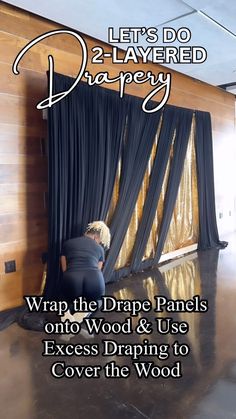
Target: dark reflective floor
207	389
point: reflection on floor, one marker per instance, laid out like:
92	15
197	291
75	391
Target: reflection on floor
207	389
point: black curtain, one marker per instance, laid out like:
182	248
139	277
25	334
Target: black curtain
86	129
179	152
89	131
208	232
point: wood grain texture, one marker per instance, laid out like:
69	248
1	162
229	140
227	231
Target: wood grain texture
23	168
14	285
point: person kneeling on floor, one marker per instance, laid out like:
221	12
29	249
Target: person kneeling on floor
82	259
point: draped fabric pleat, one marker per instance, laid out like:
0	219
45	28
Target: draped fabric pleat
170	118
208	232
93	136
140	135
179	151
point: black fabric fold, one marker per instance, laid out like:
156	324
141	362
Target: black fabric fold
169	121
140	135
85	135
208	231
183	128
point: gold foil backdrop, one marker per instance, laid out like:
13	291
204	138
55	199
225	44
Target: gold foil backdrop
183	229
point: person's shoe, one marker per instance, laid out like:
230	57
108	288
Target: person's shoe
67	316
80	316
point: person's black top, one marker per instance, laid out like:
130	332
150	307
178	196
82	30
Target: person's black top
82	253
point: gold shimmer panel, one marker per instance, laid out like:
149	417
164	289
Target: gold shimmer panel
183	230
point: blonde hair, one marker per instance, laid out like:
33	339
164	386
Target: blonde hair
102	230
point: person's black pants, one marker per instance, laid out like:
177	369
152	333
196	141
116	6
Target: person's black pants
88	284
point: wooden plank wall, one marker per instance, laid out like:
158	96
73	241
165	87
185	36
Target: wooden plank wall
23	166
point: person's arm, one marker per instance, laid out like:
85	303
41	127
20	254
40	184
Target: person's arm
100	265
63	263
101	259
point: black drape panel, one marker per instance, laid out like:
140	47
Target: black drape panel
169	122
179	152
208	232
140	135
85	135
